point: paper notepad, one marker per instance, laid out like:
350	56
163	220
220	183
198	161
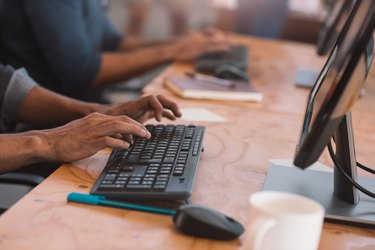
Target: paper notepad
195	89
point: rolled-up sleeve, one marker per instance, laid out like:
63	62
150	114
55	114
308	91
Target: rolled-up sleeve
65	44
17	87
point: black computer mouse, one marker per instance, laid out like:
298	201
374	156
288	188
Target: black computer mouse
197	220
231	72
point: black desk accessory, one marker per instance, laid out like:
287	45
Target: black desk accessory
231	72
194	220
197	220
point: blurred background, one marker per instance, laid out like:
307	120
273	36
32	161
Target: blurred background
298	20
150	20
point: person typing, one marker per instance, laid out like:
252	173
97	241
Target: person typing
80	129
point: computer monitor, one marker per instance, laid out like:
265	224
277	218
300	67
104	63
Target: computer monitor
328	115
334	22
337	86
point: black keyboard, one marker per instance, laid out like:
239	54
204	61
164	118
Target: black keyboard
237	56
162	167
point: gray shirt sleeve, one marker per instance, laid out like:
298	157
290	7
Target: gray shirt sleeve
19	86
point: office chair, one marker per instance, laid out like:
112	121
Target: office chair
13	186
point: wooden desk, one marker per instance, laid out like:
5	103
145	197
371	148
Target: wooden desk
233	166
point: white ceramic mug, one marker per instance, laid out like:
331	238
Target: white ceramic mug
283	221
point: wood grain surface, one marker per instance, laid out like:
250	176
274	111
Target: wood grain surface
233	166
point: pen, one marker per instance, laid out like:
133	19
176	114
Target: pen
102	201
211	79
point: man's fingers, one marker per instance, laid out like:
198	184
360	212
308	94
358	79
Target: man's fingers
170	105
128	138
123	126
157	107
132	129
159	103
111	142
118	136
169	115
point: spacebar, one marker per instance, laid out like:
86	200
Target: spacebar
139	186
153	160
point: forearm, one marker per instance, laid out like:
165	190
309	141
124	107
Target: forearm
18	150
117	67
44	107
135	42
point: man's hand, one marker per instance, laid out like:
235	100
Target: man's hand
145	108
197	43
84	137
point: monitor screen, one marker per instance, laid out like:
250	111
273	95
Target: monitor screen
333	24
339	83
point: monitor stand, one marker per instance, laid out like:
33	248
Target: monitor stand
318	185
305	78
342	201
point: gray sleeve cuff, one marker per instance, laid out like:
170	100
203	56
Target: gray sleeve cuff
19	87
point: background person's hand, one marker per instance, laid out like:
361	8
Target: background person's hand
84	137
197	43
145	108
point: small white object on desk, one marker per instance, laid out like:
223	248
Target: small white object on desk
203	115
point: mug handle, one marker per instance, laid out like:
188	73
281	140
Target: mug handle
259	227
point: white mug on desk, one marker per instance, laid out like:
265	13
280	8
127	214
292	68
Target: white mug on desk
283	221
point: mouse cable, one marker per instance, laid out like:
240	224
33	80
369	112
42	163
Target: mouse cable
353	182
367	169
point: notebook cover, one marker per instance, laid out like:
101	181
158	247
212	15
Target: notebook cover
191	88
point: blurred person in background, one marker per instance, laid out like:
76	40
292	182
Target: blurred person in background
139	10
71	46
264	18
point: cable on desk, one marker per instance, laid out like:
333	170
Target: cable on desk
367	169
339	167
372	171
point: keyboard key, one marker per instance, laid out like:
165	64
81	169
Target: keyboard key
154	160
107	182
161	183
159	187
134	182
128	169
164	171
169	159
178	173
110	177
135	178
113	186
132	158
